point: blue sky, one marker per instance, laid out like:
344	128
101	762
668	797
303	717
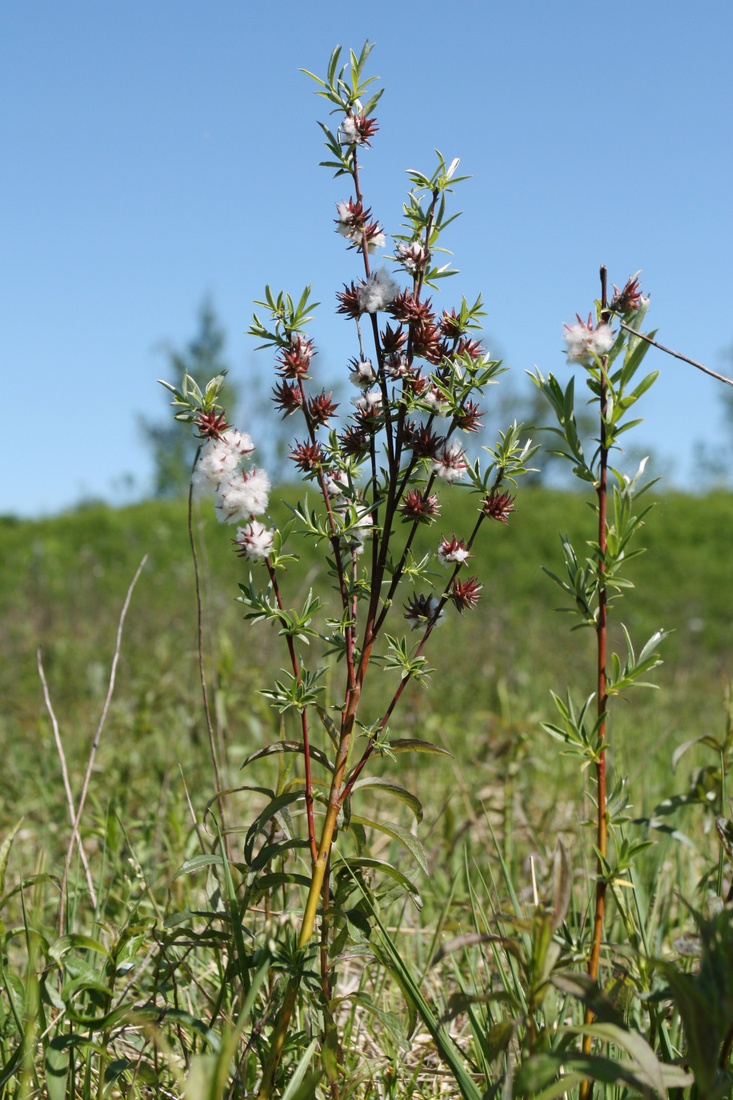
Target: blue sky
157	152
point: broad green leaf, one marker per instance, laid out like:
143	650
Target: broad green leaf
681	749
647	1068
458	943
563	886
56	1065
542	1070
268	852
586	990
264	883
76	942
32	880
499	1037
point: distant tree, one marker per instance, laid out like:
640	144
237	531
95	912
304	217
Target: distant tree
171	444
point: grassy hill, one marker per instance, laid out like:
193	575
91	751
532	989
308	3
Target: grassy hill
64	580
493	813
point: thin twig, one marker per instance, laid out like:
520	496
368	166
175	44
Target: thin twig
64	771
95	742
192	812
677	354
202	667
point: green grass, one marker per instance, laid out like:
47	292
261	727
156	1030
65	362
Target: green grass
508	794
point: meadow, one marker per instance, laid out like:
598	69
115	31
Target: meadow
421	793
144	992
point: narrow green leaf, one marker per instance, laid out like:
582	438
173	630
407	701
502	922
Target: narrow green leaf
197	862
5	853
447	1048
398	833
300	1087
384	868
287	746
329	726
390	786
414	744
274	808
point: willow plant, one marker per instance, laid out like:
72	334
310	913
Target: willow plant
596	577
377	477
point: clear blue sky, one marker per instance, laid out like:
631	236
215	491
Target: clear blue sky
157	151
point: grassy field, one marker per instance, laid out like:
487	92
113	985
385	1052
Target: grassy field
143	991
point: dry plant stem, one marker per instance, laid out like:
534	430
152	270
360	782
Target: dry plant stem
95	745
64	772
209	634
677	354
202	669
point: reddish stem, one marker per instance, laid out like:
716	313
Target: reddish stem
602	696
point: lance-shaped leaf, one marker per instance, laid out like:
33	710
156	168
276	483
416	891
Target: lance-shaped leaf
277	807
414	744
287	746
368	863
390	786
398	833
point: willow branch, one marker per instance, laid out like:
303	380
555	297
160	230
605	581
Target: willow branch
677	354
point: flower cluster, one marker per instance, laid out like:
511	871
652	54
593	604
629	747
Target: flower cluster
254	540
353	223
414	256
219	458
422	611
377	292
356	129
629	299
453	552
586	342
417	387
241	493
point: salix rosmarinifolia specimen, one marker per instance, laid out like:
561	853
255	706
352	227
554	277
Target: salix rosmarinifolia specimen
607	350
378	474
